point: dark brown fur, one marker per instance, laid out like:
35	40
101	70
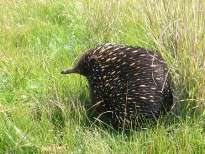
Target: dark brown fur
127	84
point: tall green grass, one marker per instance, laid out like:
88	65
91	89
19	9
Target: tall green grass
38	105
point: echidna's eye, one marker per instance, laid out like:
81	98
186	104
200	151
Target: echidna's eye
92	59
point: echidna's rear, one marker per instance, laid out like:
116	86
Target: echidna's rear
127	84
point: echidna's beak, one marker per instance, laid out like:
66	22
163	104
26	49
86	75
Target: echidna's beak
69	71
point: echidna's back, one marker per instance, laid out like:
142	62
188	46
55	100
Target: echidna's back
133	83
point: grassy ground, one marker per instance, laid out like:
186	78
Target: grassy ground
42	111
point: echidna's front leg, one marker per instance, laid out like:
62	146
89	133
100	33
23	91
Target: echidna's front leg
99	107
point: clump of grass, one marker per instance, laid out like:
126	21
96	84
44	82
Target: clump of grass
102	19
177	32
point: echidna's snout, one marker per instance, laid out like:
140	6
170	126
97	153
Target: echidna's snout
68	71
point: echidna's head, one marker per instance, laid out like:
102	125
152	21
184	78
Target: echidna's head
83	67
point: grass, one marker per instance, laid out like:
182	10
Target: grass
38	105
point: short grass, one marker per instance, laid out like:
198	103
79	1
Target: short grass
42	111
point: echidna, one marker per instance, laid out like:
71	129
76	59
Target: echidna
127	84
